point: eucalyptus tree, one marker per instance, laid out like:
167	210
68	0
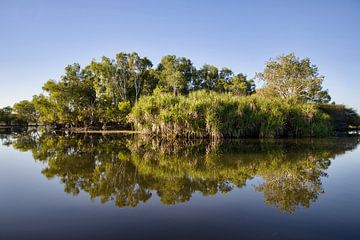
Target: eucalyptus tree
139	72
72	98
109	80
6	115
46	109
239	85
175	74
25	111
104	92
208	77
225	76
150	82
122	78
288	76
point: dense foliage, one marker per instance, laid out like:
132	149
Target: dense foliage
177	99
209	114
290	77
102	93
342	118
6	115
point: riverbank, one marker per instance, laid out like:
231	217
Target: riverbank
104	131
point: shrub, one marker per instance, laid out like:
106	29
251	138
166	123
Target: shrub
206	114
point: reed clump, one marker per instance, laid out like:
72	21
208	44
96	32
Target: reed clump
206	114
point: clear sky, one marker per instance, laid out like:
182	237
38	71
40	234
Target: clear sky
39	38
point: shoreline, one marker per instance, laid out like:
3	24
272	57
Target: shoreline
349	132
106	131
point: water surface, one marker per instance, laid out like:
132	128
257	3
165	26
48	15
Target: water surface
128	187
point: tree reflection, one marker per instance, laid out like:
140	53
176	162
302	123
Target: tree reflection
127	170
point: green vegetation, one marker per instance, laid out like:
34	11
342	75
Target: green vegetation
9	118
216	115
6	115
176	99
129	170
25	111
290	77
342	118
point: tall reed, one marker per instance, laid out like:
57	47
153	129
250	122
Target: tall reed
206	114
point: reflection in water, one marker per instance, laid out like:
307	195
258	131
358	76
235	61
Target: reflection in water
128	170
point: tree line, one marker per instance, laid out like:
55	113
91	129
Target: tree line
103	93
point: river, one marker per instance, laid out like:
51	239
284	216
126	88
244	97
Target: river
92	186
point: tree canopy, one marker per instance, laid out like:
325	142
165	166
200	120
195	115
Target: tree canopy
288	76
25	111
6	115
103	93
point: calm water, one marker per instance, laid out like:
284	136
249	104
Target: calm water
118	187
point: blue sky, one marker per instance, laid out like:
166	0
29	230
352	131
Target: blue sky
39	38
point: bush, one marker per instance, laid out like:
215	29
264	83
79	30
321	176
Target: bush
342	118
204	114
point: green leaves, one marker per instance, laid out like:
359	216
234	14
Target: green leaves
6	115
25	111
287	76
210	114
175	74
177	99
122	78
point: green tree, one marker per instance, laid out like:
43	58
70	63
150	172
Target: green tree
121	79
207	77
139	71
239	85
6	115
46	110
25	111
287	76
73	98
175	74
151	81
225	76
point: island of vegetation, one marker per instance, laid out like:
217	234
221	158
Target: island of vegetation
174	99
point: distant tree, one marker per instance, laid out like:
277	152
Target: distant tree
72	99
121	79
6	115
287	76
208	77
151	81
111	78
25	111
175	74
46	110
225	76
139	72
239	85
